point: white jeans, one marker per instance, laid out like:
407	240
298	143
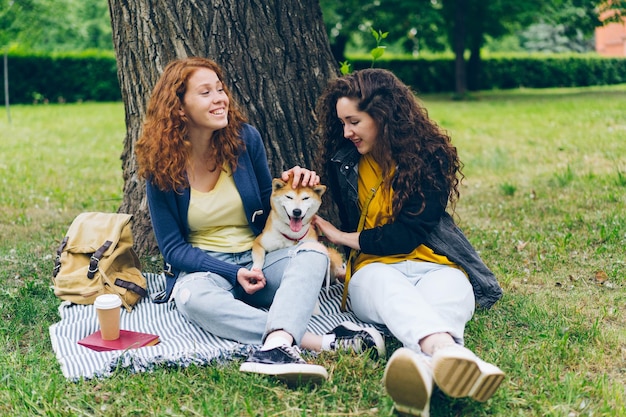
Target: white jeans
413	299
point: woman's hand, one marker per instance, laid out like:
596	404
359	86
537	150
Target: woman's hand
302	176
326	229
334	235
250	280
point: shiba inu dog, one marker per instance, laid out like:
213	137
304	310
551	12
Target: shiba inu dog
289	223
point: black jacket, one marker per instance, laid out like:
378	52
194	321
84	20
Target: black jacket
433	227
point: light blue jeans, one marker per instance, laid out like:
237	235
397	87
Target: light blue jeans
294	277
413	299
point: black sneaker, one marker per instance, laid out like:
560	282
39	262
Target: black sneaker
285	363
349	336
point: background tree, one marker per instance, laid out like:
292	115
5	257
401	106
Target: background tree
413	24
275	55
431	25
55	25
16	21
569	25
463	26
52	26
14	18
472	21
341	20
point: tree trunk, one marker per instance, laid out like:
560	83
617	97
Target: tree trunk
474	68
459	38
475	35
338	48
276	59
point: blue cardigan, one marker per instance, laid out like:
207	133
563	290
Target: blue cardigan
168	213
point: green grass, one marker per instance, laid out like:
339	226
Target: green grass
543	201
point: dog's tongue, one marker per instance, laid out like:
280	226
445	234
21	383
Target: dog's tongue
295	224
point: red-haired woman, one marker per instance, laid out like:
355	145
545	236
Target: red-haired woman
208	190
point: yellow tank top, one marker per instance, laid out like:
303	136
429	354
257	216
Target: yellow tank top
217	220
379	212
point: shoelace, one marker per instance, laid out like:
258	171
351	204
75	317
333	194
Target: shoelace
355	343
294	352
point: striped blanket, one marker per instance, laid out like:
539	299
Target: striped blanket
181	343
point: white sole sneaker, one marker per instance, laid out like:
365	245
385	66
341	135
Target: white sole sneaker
285	363
379	340
409	382
292	373
460	373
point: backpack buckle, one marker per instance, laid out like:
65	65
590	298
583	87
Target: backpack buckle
95	259
93	266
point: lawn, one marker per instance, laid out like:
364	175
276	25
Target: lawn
543	201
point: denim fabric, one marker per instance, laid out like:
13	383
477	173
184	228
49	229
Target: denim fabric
294	277
413	299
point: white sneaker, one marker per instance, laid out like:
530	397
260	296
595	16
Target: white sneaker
409	382
460	373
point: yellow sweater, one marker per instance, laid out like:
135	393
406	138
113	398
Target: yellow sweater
379	212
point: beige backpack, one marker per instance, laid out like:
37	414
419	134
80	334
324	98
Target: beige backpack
97	257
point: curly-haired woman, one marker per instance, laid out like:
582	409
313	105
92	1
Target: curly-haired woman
393	172
208	190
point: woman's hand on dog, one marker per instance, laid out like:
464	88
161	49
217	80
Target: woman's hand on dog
327	230
301	176
251	280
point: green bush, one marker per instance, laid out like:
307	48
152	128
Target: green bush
68	77
433	75
92	75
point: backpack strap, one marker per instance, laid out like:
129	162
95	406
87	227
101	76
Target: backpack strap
57	260
95	259
131	286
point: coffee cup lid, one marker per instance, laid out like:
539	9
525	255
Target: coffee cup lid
107	301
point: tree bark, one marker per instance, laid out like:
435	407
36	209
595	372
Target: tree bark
276	59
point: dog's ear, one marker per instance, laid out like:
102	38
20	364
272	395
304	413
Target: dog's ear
319	189
277	184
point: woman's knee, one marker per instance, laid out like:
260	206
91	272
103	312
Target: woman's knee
314	246
195	294
456	279
190	302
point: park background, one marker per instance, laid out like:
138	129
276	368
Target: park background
543	202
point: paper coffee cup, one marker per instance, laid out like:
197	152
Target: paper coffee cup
108	309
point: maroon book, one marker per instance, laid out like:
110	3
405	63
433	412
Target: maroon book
128	340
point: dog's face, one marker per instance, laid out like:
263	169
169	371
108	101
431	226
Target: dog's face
295	207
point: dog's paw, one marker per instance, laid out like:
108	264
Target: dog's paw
339	273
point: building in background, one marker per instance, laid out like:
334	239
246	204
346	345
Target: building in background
611	39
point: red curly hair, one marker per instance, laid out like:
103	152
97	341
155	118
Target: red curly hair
163	149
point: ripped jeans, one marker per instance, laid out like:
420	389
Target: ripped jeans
294	277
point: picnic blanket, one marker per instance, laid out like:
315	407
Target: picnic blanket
181	343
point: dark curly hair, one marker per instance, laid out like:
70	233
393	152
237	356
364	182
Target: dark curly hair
163	148
421	151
